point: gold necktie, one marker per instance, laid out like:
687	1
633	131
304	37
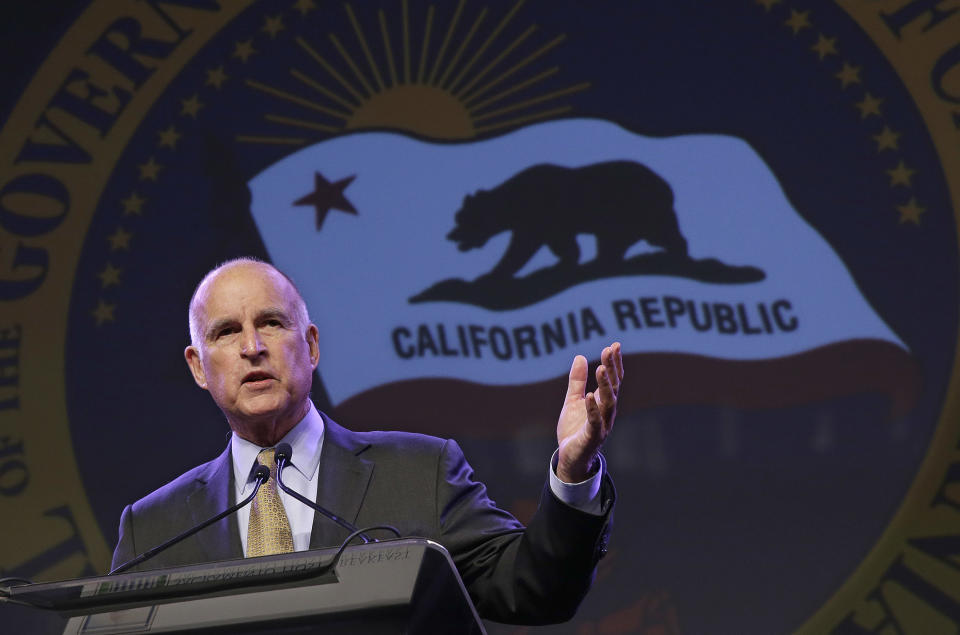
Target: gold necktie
269	530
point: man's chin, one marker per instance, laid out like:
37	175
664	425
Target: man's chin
262	412
265	411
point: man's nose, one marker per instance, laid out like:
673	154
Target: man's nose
251	345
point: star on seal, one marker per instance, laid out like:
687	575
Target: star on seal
327	196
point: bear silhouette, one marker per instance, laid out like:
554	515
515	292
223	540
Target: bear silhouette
620	202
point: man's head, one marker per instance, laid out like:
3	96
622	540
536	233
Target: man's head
253	347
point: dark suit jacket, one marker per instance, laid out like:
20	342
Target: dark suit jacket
421	485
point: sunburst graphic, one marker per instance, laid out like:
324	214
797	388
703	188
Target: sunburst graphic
453	83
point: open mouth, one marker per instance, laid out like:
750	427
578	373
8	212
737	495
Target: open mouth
257	377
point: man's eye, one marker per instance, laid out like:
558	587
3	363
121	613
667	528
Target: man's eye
226	331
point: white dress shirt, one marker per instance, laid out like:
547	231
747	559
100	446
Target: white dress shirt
306	442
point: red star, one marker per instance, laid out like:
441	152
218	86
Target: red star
327	196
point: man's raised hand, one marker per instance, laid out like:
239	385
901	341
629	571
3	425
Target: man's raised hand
587	418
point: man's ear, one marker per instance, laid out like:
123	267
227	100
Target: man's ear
192	355
313	341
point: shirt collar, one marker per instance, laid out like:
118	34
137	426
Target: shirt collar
305	439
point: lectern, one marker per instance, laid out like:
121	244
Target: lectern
395	586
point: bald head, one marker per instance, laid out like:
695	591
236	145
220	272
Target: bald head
196	329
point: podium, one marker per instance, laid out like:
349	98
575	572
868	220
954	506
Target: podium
397	586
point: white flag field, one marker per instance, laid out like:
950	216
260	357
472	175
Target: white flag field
760	312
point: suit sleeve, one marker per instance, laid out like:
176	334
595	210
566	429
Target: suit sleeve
533	575
125	550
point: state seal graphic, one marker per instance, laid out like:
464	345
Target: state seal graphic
758	198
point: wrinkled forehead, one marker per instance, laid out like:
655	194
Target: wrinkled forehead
243	288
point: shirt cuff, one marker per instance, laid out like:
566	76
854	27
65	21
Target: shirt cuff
584	496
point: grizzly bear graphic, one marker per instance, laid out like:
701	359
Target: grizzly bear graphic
620	202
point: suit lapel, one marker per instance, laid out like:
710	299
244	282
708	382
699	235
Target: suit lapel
213	494
343	481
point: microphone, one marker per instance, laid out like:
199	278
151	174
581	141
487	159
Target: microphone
283	454
261	474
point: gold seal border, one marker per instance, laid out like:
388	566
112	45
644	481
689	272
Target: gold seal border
54	509
871	598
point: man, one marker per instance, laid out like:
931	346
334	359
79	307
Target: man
254	349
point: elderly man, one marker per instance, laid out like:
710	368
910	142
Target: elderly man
254	349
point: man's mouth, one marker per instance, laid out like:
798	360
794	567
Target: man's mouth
257	377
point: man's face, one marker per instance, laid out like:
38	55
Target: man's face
253	356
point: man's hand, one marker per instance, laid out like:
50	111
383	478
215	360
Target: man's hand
586	419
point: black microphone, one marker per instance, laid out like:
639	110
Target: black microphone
283	454
261	474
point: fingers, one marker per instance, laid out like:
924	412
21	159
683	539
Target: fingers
612	359
595	428
617	355
606	392
577	383
605	397
609	374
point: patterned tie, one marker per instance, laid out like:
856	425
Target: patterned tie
269	530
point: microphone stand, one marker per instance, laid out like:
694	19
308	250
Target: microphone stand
282	456
262	475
